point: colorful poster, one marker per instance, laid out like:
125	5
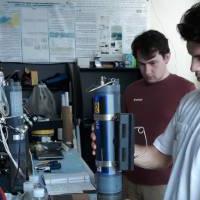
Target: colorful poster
52	31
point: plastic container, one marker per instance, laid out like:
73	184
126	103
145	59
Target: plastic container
39	193
14	96
34	189
28	190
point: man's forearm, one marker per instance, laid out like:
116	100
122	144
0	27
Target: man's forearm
150	158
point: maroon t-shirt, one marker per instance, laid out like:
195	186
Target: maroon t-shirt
153	105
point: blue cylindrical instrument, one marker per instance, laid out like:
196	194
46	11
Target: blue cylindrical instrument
114	137
106	105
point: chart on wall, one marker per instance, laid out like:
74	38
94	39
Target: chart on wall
50	31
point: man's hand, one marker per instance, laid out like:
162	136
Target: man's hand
149	157
93	138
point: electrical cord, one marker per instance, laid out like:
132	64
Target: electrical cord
31	158
6	136
141	131
18	163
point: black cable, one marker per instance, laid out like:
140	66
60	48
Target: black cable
18	154
18	164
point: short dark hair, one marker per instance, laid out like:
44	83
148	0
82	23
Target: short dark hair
150	42
189	26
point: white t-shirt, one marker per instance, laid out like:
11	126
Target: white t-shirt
181	139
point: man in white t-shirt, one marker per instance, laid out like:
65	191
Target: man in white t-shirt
180	143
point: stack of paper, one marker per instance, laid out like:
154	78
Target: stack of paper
65	183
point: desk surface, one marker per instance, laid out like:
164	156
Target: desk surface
73	163
74	176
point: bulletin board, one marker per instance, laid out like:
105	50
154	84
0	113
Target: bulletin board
52	31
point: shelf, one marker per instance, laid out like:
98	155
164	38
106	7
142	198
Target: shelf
55	89
108	69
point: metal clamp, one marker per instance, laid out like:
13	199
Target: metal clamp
105	163
104	117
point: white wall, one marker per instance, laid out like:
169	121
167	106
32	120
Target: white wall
164	15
